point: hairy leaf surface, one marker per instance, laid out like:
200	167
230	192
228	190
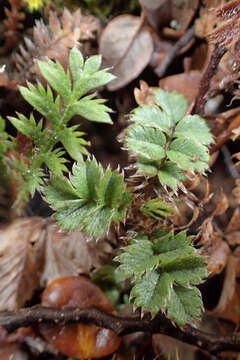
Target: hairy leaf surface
137	259
184	305
173	103
163	273
91	200
171	175
167	142
147	142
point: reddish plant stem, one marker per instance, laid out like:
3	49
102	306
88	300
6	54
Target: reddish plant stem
210	71
212	343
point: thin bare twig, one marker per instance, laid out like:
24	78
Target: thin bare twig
212	343
173	52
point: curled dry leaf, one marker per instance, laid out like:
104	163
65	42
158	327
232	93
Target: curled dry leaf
236	254
217	253
228	307
195	215
86	254
233	238
65	254
18	266
52	259
236	191
234	223
222	205
228	285
127	46
234	137
144	95
207	231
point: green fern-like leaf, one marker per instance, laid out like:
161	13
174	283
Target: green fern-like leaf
5	145
56	76
90	200
30	128
72	87
28	180
166	141
55	161
73	142
43	101
164	274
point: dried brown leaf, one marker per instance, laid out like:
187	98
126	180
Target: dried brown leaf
217	253
158	12
52	259
153	4
228	307
222	205
213	3
228	292
235	136
18	266
186	83
127	46
236	254
234	223
233	238
207	231
144	95
86	254
195	216
236	191
183	12
34	251
53	41
237	155
62	254
13	23
207	20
